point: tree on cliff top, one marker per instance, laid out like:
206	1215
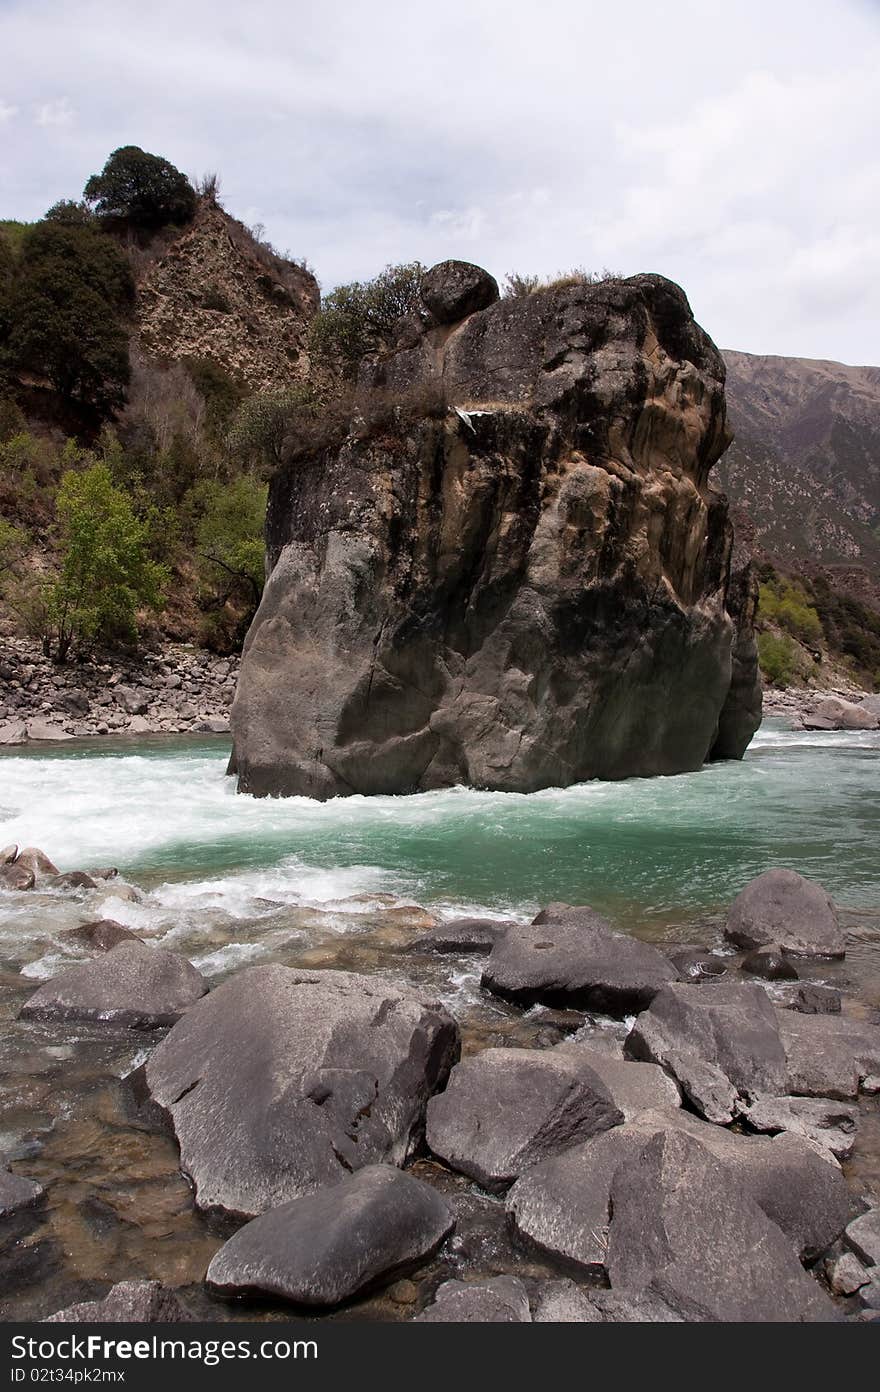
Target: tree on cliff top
143	190
359	318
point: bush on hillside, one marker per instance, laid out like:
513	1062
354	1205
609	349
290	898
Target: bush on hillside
778	657
143	190
787	604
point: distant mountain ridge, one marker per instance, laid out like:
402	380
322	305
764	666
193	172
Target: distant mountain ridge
804	468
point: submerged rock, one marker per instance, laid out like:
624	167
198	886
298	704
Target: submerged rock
769	963
102	934
502	1300
571	956
785	910
17	1193
16	877
129	1302
282	1081
324	1248
526	590
681	1230
463	935
505	1109
134	985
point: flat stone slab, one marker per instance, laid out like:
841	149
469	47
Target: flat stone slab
129	1302
680	1230
17	1193
827	1055
134	985
571	956
283	1081
717	1041
502	1300
323	1249
828	1124
506	1109
786	910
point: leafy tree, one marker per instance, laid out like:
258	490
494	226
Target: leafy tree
229	534
65	313
778	658
71	213
264	423
358	318
105	574
143	190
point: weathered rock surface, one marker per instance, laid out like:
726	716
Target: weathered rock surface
452	290
812	999
680	1229
769	963
562	1205
129	1302
827	1055
35	860
633	1087
502	1300
283	1081
697	963
863	1236
16	1193
506	1109
784	909
571	956
528	591
828	1124
562	1302
323	1248
16	877
134	985
463	935
836	714
717	1041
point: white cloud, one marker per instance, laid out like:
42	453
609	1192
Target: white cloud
7	112
729	146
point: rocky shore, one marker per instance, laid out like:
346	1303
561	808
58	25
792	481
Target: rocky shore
671	1144
839	708
178	690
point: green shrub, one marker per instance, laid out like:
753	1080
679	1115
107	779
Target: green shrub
787	604
778	657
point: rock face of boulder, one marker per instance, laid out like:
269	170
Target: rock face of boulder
570	955
282	1082
680	1229
784	909
505	1109
525	587
134	984
17	1193
718	1041
324	1248
503	1300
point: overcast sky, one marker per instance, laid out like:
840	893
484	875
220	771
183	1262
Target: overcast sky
731	146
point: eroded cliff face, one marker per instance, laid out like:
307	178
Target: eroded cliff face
528	589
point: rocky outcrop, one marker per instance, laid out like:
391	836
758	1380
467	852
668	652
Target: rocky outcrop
218	293
528	588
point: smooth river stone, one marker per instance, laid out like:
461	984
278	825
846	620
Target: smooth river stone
784	909
134	985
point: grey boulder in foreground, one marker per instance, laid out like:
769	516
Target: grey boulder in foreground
282	1081
571	956
784	909
681	1231
130	1302
134	985
323	1249
505	1109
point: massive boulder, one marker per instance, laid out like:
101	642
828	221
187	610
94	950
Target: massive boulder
281	1082
521	576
